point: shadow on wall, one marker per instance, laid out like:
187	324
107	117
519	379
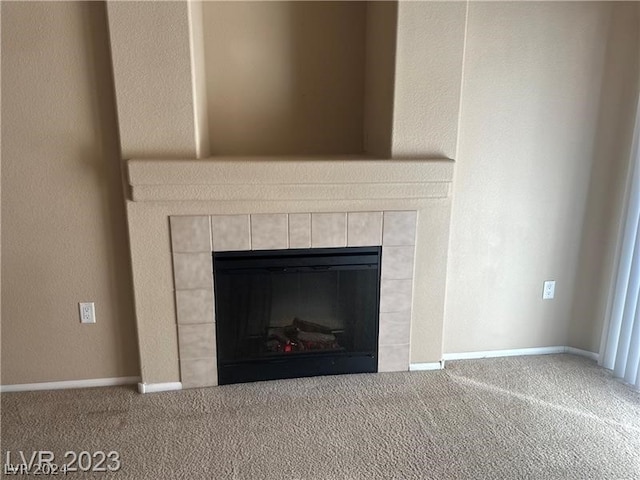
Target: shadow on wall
285	77
105	160
327	60
612	149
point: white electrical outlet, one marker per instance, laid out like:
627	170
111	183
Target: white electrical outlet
87	312
549	290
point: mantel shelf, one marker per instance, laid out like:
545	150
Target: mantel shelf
289	178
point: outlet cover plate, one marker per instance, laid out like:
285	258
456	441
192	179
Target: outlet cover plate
87	312
549	290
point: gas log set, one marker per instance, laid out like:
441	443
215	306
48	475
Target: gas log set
301	336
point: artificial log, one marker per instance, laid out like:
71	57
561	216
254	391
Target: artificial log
306	326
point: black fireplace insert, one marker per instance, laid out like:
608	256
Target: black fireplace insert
296	313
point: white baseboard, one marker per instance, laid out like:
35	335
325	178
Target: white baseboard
67	384
169	386
159	387
583	353
415	367
503	353
519	352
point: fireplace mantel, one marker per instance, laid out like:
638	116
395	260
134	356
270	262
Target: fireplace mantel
289	178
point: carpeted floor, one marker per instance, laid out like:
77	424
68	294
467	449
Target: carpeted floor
547	417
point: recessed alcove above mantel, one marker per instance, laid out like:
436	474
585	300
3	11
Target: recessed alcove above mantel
294	77
255	78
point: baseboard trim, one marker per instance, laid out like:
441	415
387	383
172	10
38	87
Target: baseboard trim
416	367
520	352
583	353
159	387
170	386
68	384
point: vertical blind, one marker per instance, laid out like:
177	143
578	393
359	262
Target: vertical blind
622	345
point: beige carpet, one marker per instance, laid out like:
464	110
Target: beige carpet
547	417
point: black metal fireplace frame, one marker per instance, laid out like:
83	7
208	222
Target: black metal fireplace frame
300	364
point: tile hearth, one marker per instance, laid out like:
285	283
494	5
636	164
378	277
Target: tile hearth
195	237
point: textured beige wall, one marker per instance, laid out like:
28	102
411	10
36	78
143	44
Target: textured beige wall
428	73
547	94
618	102
380	58
285	77
64	231
529	131
153	49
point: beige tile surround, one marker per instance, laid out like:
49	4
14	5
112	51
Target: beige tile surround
193	238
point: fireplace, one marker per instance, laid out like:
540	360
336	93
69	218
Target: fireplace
296	313
364	187
183	210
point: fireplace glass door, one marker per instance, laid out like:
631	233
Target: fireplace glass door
295	313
